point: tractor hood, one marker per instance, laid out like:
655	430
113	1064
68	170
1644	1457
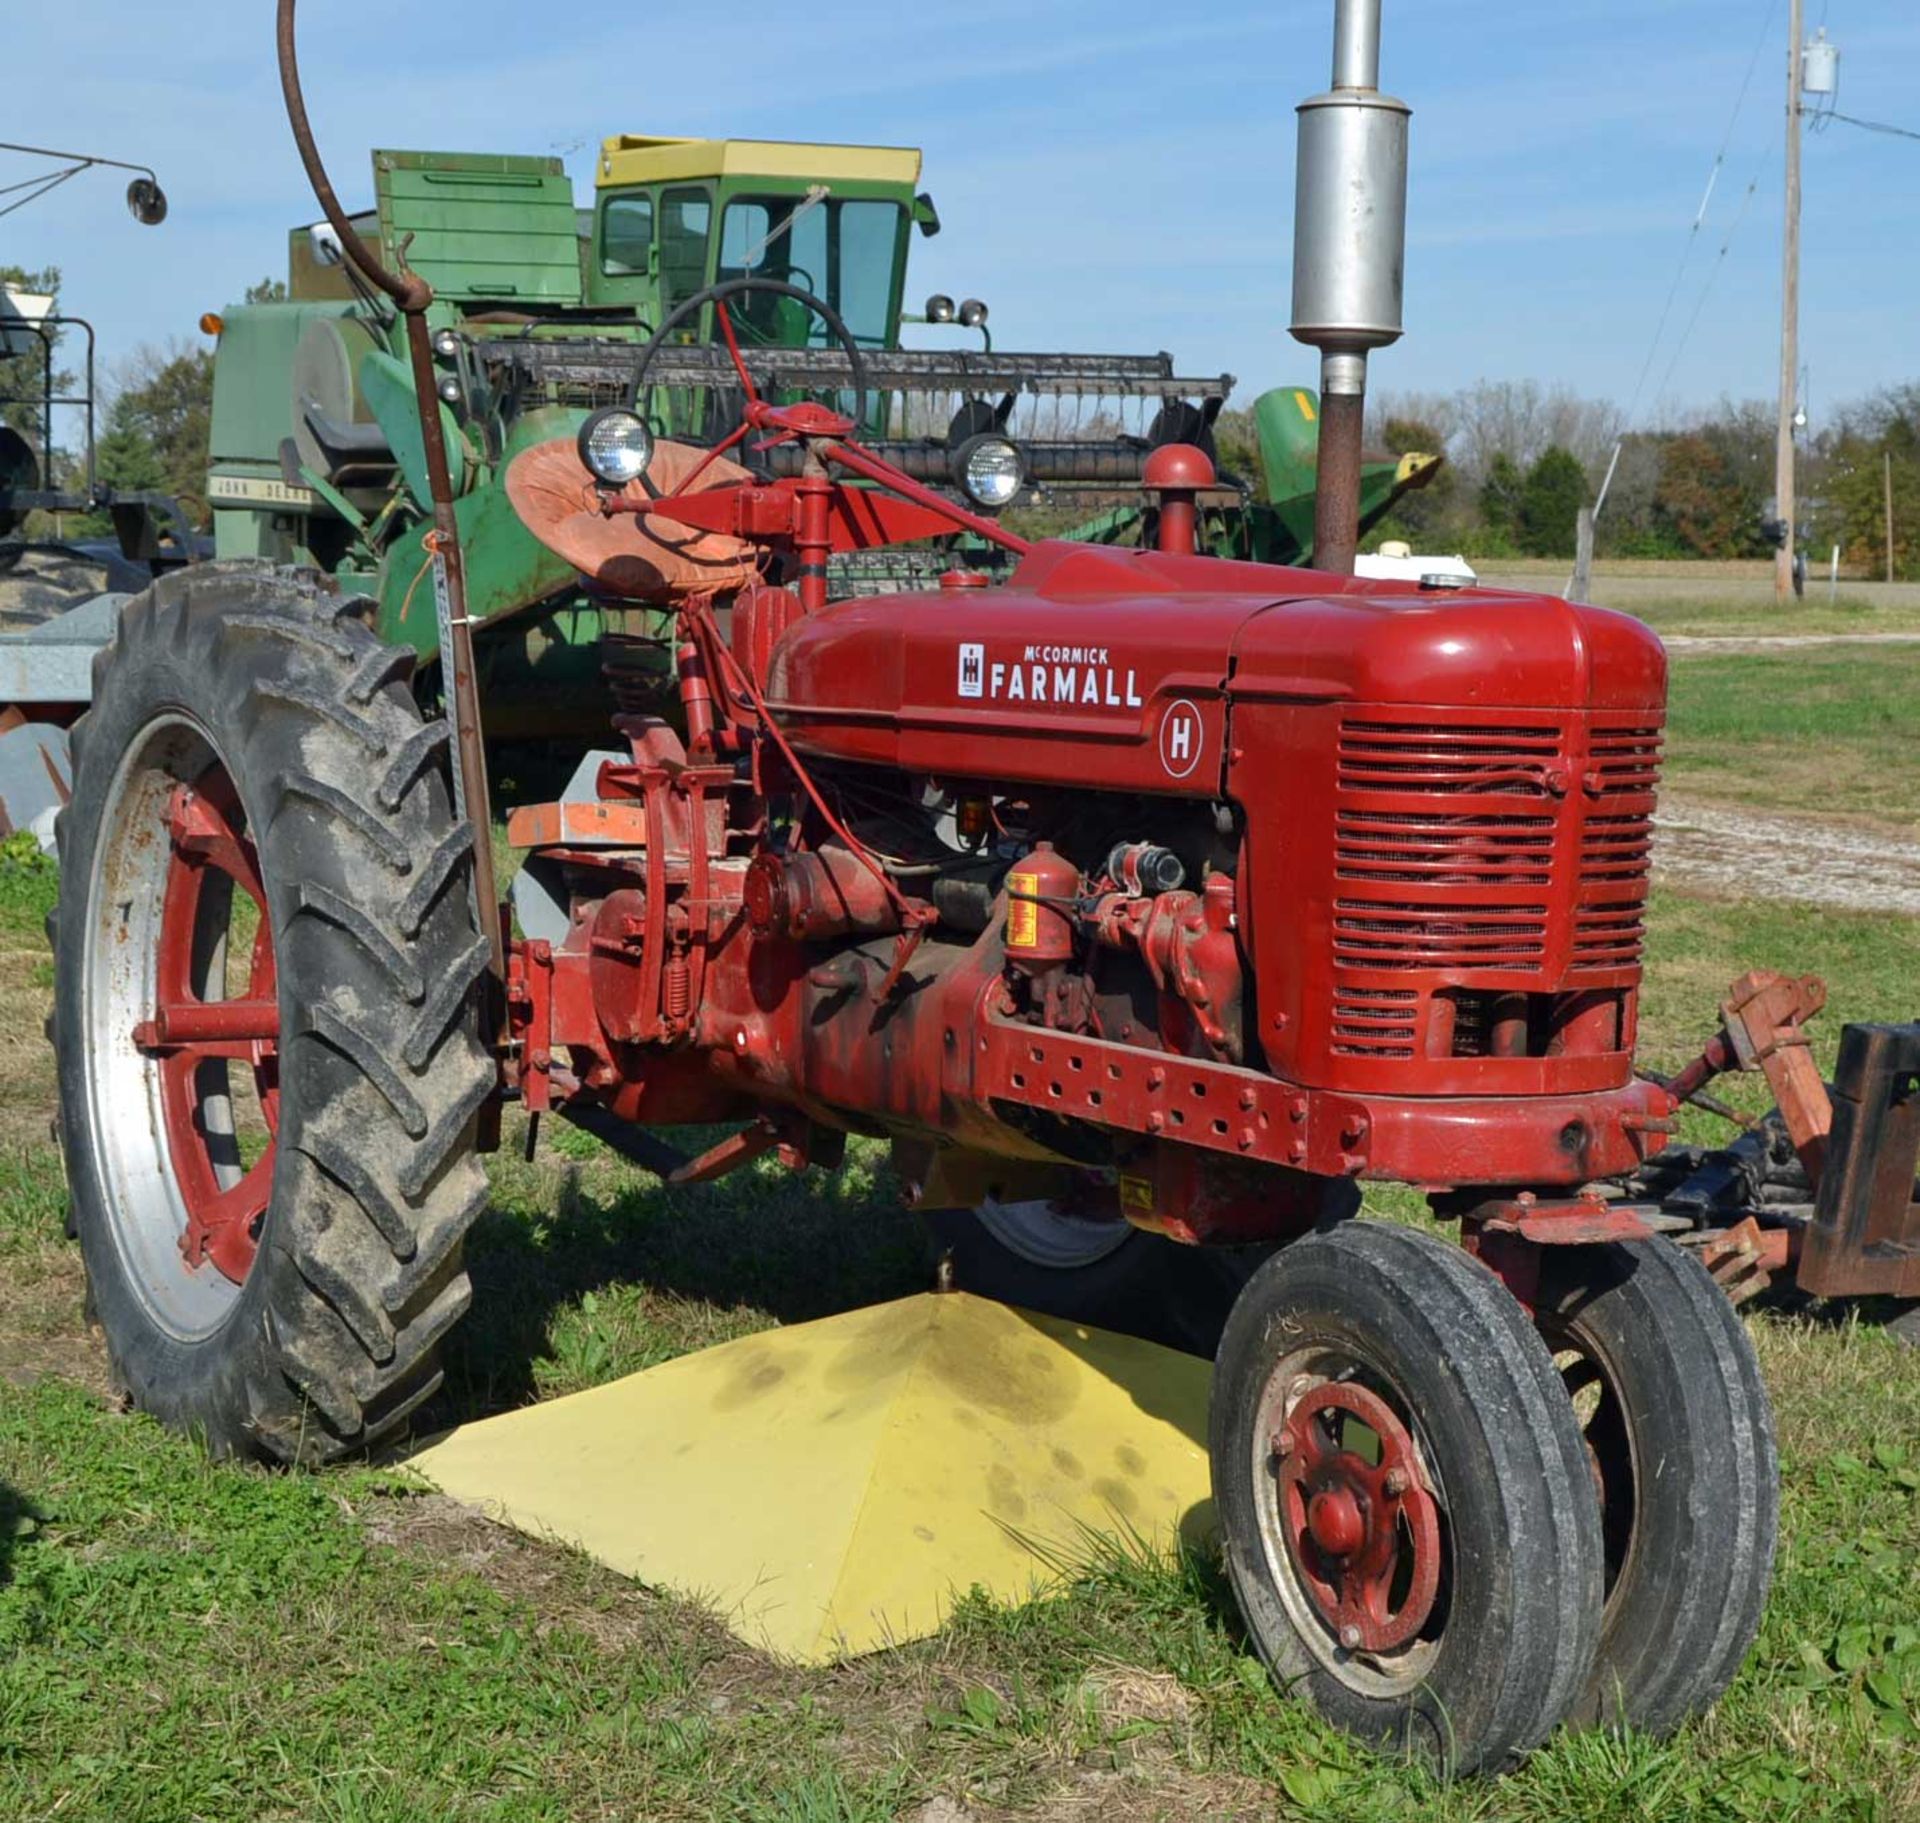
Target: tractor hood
1116	669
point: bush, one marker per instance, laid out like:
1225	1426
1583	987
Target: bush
1550	503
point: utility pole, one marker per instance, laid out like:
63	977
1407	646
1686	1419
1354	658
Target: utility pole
1789	320
1886	481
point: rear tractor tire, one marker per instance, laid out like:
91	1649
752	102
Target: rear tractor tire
266	977
1404	1503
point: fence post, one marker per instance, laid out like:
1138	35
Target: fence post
1582	589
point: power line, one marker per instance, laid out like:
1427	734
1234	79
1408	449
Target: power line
1631	415
1874	126
1700	214
1713	274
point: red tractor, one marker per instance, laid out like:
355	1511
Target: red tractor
1185	892
1161	891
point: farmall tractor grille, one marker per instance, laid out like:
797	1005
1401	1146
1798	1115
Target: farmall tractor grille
1485	865
1616	845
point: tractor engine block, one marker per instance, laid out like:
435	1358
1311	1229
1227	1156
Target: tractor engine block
1288	880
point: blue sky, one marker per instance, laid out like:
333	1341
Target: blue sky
1109	175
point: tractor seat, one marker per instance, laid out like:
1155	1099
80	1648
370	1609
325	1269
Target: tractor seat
639	559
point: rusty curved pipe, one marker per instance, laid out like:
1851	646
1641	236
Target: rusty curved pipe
409	290
412	294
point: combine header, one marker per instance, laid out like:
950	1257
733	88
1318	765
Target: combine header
1176	893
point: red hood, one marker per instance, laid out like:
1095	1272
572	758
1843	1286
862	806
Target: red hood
1083	667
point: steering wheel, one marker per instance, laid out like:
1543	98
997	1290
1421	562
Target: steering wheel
800	275
717	296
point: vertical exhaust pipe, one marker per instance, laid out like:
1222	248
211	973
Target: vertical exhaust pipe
1349	258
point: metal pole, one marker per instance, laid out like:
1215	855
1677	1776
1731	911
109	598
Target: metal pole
1783	485
1886	481
1336	493
1356	44
413	294
93	474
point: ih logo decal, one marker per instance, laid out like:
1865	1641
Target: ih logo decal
973	670
1182	735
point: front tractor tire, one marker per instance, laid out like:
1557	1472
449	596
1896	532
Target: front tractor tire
266	978
1679	1434
1405	1507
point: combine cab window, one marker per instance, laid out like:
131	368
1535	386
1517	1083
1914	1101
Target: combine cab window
841	251
626	236
685	216
869	232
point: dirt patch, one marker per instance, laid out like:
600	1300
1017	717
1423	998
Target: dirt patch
27	1099
27	1359
568	1588
1740	854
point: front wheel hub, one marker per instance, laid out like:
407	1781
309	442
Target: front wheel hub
1361	1530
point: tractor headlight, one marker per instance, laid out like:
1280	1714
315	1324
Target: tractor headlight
615	446
989	470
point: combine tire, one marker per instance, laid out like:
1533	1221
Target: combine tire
266	974
1680	1437
1404	1503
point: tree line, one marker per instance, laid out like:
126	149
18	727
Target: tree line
1522	459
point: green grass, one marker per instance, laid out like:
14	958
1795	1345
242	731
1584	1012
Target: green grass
1707	614
181	1640
1827	729
29	885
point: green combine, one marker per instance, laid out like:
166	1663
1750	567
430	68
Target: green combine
1273	523
541	308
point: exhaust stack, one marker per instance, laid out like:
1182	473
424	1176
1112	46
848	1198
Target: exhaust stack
1349	256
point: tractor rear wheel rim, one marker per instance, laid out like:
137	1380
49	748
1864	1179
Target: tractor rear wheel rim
1353	1521
183	1024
